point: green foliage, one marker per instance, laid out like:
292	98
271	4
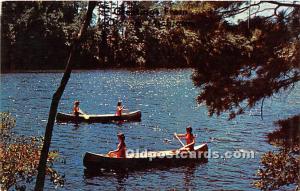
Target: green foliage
278	169
281	168
240	66
126	34
19	156
288	135
33	32
7	122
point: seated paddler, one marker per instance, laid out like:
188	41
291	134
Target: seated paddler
76	109
120	152
119	109
189	138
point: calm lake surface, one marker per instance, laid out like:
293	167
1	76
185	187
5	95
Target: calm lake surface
167	101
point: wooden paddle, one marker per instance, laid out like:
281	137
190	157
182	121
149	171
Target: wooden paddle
175	134
183	145
84	115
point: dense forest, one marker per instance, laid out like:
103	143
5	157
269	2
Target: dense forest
38	35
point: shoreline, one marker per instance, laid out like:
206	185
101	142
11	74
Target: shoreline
98	69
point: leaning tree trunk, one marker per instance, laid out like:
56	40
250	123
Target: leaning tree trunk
56	98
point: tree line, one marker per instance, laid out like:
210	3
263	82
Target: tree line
38	35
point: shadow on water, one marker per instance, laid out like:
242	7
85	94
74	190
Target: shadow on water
121	176
76	126
189	174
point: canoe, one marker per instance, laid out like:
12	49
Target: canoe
149	159
105	118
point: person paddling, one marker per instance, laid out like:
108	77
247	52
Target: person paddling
189	137
76	109
119	108
120	152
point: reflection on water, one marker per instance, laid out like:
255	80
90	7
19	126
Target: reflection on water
189	174
167	101
120	177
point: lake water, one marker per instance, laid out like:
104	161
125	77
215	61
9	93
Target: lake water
167	101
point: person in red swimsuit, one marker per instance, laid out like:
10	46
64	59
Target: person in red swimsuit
76	109
190	139
120	152
119	109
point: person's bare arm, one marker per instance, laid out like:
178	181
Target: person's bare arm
193	142
186	146
118	148
81	112
179	135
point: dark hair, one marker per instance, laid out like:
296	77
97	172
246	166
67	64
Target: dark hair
189	129
121	135
119	103
76	102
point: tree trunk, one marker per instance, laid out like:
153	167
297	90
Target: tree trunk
56	98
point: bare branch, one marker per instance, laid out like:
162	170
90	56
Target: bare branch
261	108
230	13
260	11
283	4
238	11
